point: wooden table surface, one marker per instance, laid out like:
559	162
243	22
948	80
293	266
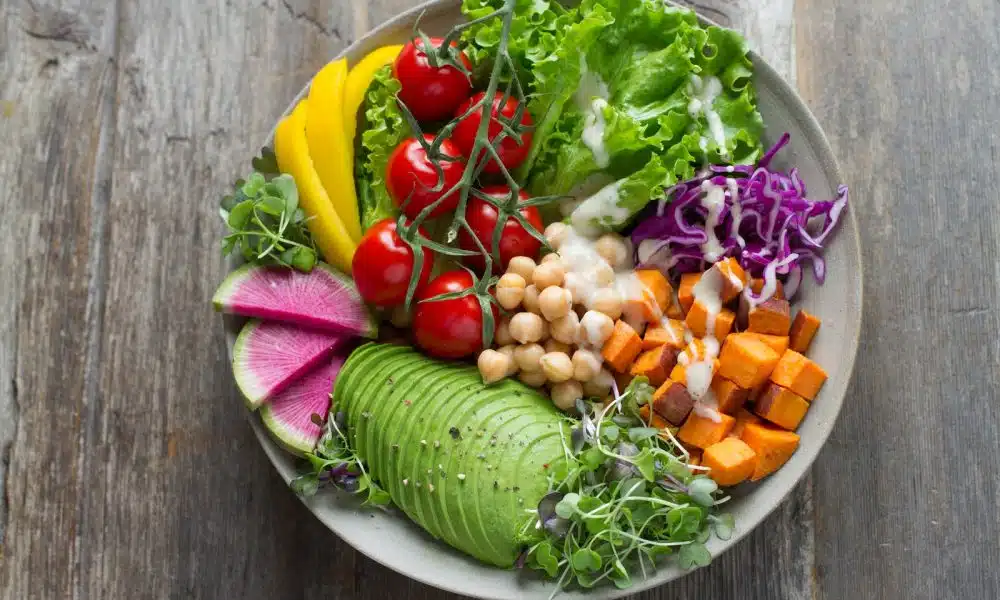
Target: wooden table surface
128	466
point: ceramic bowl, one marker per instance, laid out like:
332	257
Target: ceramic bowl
391	539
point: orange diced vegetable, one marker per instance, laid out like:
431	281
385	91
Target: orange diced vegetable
804	327
697	319
734	278
771	316
729	396
685	291
657	286
694	351
670	332
778	343
731	461
679	374
702	432
781	406
674	310
773	447
799	374
652	419
672	401
746	362
622	347
743	418
655	364
758	284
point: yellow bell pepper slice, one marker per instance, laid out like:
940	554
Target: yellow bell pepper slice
358	80
292	152
328	143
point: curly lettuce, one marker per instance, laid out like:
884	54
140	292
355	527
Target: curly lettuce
384	127
631	80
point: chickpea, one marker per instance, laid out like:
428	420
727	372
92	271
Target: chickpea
527	327
603	274
502	334
550	257
493	366
523	266
532	378
612	248
574	284
586	365
555	302
508	351
566	329
510	290
554	345
555	234
548	274
600	385
530	300
607	301
596	328
557	366
565	394
528	357
400	317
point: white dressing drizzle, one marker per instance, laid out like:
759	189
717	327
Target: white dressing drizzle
708	291
703	94
713	200
735	210
602	207
591	98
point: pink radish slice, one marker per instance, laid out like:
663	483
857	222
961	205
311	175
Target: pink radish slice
269	356
321	299
289	415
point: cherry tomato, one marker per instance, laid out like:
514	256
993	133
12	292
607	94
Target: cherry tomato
431	93
512	154
410	174
514	240
383	263
449	328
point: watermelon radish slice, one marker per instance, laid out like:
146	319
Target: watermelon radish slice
289	415
321	299
269	356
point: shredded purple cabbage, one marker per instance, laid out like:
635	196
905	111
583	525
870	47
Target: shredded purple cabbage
770	226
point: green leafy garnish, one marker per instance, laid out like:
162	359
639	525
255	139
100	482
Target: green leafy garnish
265	222
383	128
625	499
335	464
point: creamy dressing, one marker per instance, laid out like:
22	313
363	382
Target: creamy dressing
708	292
735	210
591	98
704	92
602	207
713	200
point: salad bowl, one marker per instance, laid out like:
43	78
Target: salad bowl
394	541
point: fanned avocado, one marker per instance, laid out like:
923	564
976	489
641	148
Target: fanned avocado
463	460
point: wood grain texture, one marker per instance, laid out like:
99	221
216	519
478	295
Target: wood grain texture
130	470
908	93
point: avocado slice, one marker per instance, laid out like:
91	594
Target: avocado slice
463	460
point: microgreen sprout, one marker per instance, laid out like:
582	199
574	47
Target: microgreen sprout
622	498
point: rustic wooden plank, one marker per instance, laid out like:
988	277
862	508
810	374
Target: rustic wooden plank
907	490
56	88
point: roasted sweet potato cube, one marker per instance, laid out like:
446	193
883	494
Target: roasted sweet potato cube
730	461
652	419
697	320
771	317
743	308
653	299
622	347
656	364
679	374
734	278
781	406
804	327
672	401
694	351
669	332
746	362
702	432
729	396
756	285
799	374
778	343
773	447
744	417
685	291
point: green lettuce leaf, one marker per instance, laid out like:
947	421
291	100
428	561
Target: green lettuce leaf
613	206
383	127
